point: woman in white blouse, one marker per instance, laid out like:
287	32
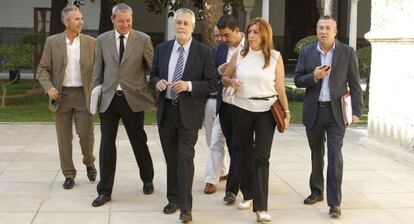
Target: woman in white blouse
257	73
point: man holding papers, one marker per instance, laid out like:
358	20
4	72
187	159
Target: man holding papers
326	69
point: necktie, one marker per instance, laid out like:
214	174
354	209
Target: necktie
178	72
121	47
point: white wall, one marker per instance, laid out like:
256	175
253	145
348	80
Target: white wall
392	78
19	13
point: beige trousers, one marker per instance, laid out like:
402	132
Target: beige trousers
72	106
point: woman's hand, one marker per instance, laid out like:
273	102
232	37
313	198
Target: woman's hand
235	83
287	120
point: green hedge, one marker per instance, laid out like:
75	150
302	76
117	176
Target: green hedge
364	61
304	42
295	94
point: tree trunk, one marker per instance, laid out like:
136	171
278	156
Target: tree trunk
212	11
56	25
105	23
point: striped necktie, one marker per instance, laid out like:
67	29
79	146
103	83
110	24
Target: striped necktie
178	72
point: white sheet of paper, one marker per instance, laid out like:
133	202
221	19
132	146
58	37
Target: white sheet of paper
96	92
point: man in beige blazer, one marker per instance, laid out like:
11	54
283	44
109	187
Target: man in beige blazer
122	60
65	72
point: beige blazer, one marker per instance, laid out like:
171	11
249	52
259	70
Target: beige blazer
52	65
130	73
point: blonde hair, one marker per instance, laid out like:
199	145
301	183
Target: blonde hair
265	31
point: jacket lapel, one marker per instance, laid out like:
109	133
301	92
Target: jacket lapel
336	55
62	47
130	45
190	59
166	59
316	57
82	54
112	46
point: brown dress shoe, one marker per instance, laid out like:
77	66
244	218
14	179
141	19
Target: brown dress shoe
223	177
210	188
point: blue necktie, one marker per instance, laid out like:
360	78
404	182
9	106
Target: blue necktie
178	72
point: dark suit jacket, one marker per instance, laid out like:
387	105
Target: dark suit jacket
199	69
220	58
344	73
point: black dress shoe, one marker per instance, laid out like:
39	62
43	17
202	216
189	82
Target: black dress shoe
186	217
230	198
101	200
335	211
170	208
91	172
148	188
312	199
69	183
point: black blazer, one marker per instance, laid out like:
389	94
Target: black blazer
344	73
199	69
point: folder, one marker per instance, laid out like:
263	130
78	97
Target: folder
346	108
96	93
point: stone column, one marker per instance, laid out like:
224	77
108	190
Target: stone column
328	7
391	107
169	28
248	7
265	9
353	24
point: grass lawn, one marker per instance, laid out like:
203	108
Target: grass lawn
34	108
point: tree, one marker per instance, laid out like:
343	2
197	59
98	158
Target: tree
212	11
209	11
105	23
56	25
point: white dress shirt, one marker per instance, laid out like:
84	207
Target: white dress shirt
118	40
72	76
173	62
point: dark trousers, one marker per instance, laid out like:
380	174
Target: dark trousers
226	122
178	146
326	124
254	132
134	126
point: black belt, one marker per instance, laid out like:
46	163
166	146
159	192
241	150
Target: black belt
266	98
212	96
169	101
119	93
324	104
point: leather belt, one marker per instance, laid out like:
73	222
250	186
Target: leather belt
119	93
171	102
212	96
324	104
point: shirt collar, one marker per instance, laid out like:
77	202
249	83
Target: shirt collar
118	34
76	40
186	46
318	47
241	44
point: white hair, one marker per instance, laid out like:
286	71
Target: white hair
65	12
185	11
121	7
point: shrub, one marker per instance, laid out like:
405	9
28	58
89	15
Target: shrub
294	94
364	61
304	42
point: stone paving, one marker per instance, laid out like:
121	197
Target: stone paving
376	189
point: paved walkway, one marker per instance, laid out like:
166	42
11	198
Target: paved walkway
376	189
